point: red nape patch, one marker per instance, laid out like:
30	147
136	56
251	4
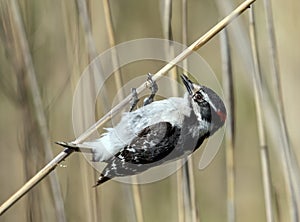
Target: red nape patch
221	115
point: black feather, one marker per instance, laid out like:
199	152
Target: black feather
146	150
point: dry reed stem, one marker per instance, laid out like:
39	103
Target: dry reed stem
185	175
188	177
259	104
112	43
180	199
137	200
92	52
135	188
166	15
192	189
168	34
86	24
227	78
34	93
61	156
291	165
35	180
82	21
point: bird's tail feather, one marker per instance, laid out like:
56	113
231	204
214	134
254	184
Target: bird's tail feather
101	180
75	147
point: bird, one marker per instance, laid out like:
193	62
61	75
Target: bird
157	133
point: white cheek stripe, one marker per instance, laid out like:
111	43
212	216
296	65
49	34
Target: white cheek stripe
205	96
210	103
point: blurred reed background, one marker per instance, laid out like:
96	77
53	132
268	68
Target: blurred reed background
46	45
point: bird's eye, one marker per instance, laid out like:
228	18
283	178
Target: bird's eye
198	96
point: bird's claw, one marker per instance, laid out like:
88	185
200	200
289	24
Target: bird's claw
134	99
153	87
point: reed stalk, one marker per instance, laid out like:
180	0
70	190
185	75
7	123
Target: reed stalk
291	165
188	176
31	90
135	191
228	87
166	18
259	104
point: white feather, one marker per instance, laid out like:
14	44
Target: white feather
170	110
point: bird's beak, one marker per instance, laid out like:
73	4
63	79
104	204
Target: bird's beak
190	86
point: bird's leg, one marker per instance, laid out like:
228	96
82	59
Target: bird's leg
153	87
134	100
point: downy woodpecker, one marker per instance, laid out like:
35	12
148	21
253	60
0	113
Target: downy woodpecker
158	132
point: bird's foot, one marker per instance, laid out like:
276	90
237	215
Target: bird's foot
134	99
101	180
153	87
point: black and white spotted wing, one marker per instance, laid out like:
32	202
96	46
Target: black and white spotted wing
146	150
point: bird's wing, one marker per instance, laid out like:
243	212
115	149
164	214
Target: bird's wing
148	149
151	144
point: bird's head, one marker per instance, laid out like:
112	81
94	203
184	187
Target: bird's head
207	105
